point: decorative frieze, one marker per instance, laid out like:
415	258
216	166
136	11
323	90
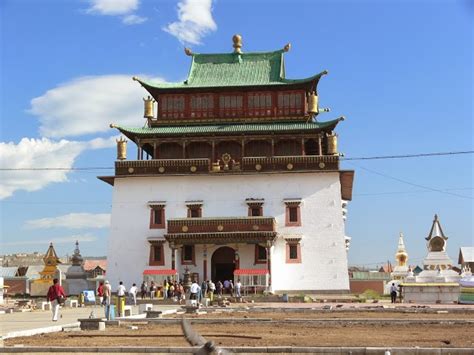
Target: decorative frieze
226	224
253	237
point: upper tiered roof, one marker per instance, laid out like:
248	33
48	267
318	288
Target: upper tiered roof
235	69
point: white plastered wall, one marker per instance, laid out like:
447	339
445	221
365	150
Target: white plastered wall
324	258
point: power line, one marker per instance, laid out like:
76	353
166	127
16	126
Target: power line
90	168
421	155
410	183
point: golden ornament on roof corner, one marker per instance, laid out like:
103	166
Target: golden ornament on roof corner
188	51
149	107
287	47
237	39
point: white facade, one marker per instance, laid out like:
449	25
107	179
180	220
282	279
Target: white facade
323	264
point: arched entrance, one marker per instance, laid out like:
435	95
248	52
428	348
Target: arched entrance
223	264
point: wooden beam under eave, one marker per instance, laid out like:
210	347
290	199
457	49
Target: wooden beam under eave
347	180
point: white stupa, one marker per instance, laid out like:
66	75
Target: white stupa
437	264
438	282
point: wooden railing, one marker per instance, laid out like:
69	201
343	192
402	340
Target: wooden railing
246	164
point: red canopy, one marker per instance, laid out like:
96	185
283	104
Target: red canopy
250	272
160	272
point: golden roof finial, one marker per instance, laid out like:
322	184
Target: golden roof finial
237	39
188	51
287	47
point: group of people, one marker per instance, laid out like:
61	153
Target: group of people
104	292
172	289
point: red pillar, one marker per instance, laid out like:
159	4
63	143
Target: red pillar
204	267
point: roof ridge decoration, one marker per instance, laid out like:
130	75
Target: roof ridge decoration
235	69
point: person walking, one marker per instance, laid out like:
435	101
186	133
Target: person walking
56	296
226	286
393	292
133	294
238	287
231	288
100	293
165	289
219	287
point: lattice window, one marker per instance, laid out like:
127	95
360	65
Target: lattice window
172	106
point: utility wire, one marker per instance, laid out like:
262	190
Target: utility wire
404	156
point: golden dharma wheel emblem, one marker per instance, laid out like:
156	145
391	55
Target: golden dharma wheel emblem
131	170
193	169
322	165
220	227
258	167
289	166
255	227
184	228
161	169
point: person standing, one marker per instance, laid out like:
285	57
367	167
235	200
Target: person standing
219	288
393	292
165	289
238	287
212	288
194	290
56	296
231	288
143	289
100	293
226	286
121	297
204	289
133	294
152	290
107	293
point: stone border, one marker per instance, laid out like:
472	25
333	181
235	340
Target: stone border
263	349
31	332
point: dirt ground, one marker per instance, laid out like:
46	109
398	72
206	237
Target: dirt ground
342	333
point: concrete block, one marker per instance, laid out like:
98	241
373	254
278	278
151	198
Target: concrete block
92	324
144	307
191	303
45	306
72	303
127	311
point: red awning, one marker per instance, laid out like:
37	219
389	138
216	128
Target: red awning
160	272
250	272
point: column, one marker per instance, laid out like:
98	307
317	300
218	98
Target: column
173	256
204	263
273	147
213	151
184	149
269	262
302	146
320	145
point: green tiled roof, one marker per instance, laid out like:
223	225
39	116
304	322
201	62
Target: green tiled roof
234	70
227	129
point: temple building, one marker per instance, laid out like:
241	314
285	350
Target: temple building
235	177
39	287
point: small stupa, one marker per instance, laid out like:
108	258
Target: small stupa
39	287
50	270
76	277
401	256
438	282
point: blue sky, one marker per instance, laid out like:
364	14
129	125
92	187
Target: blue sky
400	71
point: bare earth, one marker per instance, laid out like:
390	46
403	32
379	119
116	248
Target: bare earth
279	333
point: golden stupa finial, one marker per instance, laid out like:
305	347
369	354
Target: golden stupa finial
188	51
237	39
287	47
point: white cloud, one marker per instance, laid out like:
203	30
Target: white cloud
112	7
31	153
133	19
195	21
84	238
122	8
88	105
71	221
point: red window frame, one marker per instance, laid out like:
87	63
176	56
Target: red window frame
193	209
188	262
153	211
255	208
152	261
288	221
257	259
286	103
289	246
260	104
199	112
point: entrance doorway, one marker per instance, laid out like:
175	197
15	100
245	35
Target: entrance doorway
223	264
